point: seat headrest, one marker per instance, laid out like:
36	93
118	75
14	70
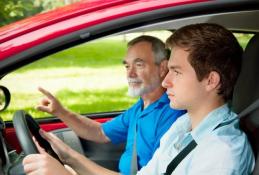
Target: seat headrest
247	88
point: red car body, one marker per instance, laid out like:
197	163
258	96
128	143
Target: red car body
33	31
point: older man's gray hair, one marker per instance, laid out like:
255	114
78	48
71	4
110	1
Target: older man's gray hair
158	47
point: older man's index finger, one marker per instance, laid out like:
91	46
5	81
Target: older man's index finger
45	92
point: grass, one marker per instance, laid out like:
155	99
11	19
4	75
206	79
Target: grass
87	78
85	101
96	54
83	90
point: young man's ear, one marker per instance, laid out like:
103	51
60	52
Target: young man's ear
213	81
163	68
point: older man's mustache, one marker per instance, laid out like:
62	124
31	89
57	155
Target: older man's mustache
134	80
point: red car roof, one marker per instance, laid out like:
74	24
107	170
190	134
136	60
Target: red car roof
24	34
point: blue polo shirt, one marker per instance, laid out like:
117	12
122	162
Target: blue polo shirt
151	124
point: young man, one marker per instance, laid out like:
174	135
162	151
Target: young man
146	65
203	68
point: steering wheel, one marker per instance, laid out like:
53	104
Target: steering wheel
25	126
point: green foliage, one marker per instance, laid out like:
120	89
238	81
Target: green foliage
13	10
243	38
50	4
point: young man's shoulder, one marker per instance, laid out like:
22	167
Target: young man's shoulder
224	149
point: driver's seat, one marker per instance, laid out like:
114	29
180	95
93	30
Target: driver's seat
246	92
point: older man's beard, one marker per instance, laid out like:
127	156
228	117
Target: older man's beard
142	90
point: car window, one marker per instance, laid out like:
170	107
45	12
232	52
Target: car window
243	38
88	78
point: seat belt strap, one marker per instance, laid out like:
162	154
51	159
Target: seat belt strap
175	162
249	109
134	160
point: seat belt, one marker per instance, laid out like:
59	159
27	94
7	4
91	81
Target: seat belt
177	160
249	109
134	159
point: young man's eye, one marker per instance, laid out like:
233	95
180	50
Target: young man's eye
176	72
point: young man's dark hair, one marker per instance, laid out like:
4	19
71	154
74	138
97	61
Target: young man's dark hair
212	48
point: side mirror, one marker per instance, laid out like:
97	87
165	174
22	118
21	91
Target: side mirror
5	98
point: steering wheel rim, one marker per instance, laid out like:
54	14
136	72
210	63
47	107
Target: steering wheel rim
25	126
23	133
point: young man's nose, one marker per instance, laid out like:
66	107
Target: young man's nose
167	82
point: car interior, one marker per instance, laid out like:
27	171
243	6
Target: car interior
107	155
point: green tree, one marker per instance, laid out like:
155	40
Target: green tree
13	10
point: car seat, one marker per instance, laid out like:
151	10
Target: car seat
246	92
